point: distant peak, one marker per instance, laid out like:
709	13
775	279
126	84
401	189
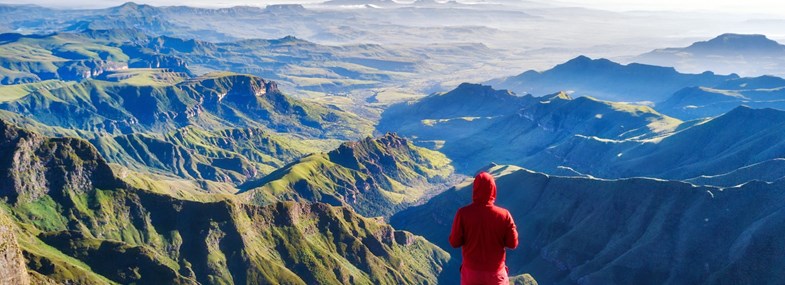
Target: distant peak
285	7
479	89
133	8
580	58
743	39
740	37
744	112
467	85
562	95
287	40
736	42
584	61
741	110
359	2
132	5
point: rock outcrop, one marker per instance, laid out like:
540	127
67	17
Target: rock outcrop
12	264
33	166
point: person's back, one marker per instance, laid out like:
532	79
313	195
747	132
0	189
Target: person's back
483	230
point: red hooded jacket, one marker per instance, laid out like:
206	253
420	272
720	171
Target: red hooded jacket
483	229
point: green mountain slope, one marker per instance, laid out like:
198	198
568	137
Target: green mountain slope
228	155
27	59
212	101
77	56
79	223
105	51
631	231
375	176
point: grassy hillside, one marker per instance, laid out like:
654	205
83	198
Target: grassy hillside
109	49
76	56
212	101
374	176
78	222
227	155
631	231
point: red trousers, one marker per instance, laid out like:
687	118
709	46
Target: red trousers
476	277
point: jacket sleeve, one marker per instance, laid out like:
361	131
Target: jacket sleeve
456	235
511	237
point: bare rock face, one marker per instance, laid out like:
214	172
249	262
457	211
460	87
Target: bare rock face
34	166
523	279
83	69
12	263
169	62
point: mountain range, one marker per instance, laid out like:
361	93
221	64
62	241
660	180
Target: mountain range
701	102
159	117
74	220
739	138
227	155
216	100
680	95
747	54
605	79
334	74
294	144
474	125
643	231
220	126
74	56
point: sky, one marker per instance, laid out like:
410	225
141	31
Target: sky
727	6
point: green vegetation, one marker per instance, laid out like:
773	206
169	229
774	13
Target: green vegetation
222	126
228	155
145	77
213	101
14	92
84	224
31	59
375	176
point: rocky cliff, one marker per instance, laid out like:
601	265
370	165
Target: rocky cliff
79	224
12	263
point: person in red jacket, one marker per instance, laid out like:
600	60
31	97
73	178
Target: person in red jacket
483	230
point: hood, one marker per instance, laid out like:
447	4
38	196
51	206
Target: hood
484	191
